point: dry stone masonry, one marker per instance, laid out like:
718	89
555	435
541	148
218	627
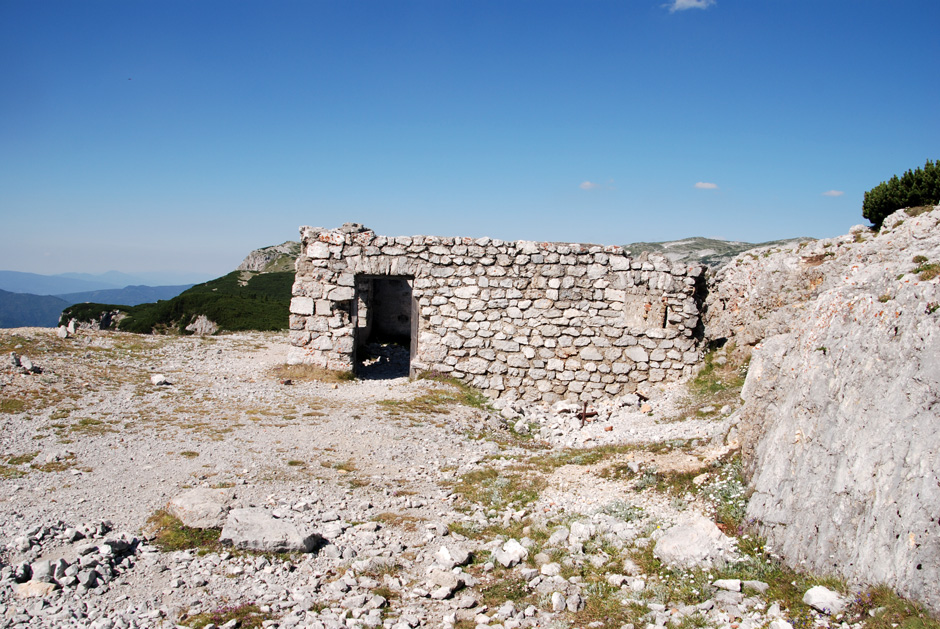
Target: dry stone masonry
524	320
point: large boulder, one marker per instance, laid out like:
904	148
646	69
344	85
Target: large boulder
695	541
256	529
201	508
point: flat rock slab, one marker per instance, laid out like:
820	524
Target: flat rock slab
256	529
201	508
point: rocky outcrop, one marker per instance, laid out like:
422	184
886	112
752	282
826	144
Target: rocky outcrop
840	418
270	259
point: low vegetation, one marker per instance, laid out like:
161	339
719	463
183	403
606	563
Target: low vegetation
169	534
234	303
437	401
246	616
311	373
915	188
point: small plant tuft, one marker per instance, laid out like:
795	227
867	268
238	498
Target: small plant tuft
170	534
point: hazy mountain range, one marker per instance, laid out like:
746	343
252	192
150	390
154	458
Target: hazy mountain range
31	299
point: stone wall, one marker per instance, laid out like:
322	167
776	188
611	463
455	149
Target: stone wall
530	320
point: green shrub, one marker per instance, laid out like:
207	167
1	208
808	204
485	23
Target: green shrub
914	188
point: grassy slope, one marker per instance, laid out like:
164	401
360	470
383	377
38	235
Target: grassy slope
262	303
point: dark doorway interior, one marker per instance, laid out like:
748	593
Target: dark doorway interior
385	314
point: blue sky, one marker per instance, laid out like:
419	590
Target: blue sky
177	135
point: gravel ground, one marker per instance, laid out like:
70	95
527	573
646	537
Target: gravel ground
92	448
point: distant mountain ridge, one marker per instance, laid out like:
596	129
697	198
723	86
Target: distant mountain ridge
711	252
19	310
36	284
68	283
127	296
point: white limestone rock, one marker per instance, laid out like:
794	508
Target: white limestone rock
694	541
256	529
201	508
824	600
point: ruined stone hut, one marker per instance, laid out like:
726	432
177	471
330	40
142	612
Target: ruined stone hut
531	320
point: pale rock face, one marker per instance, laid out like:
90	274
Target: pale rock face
511	553
202	326
839	424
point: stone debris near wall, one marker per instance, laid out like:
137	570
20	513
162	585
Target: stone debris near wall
519	320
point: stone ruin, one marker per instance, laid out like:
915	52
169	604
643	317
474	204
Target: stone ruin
536	321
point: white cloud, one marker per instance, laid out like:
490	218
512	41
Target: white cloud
704	185
588	185
682	5
833	193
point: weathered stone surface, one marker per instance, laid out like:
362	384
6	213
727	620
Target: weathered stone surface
839	423
824	600
201	508
202	326
696	541
256	529
34	589
511	553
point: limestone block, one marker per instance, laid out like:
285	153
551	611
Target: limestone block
301	305
318	250
342	293
636	353
591	353
201	508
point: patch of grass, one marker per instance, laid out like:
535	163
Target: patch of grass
715	378
311	373
10	472
918	210
466	395
20	459
344	467
189	454
500	488
433	403
884	298
61	465
169	534
401	520
248	615
295	463
927	271
603	605
12	405
508	588
727	491
881	608
87	425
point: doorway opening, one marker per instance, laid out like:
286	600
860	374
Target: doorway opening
386	326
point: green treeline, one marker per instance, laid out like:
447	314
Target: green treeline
262	303
914	188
